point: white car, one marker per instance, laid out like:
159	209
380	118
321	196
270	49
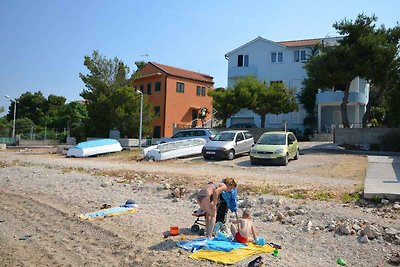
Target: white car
228	144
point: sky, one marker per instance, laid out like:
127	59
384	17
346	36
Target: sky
43	42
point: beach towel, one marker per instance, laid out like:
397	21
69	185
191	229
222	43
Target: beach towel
101	214
231	199
204	243
232	256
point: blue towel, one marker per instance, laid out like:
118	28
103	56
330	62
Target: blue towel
203	243
231	199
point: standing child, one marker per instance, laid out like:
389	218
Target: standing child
242	229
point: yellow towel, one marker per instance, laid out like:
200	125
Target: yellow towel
232	256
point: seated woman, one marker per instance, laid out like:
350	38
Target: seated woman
207	199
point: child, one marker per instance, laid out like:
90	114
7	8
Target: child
244	228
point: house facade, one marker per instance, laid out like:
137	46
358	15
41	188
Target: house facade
176	94
283	62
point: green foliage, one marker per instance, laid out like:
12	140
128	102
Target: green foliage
255	95
224	101
111	101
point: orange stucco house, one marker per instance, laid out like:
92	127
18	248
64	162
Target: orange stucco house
176	94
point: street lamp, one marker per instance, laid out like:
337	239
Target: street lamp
141	118
15	113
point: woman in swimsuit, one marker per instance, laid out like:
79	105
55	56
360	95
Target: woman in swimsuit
208	199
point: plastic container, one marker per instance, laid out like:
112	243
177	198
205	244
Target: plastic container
341	262
260	241
174	230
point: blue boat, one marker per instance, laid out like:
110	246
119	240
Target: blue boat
94	147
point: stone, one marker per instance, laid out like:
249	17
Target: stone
300	212
356	227
280	216
344	229
396	206
106	184
384	201
291	213
364	239
308	227
391	231
258	214
279	202
371	231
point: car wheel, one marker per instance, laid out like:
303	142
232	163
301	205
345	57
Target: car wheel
206	157
297	155
231	154
285	160
253	161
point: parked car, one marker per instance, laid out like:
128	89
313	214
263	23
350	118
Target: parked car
276	147
228	144
204	133
243	125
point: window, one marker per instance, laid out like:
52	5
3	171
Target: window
300	55
247	135
141	88
276	57
149	88
180	87
157	111
198	90
158	87
243	61
239	137
203	91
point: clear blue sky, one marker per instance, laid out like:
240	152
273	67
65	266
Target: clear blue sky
43	42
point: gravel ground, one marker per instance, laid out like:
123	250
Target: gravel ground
42	194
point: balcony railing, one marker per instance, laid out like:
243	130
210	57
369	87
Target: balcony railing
241	71
336	97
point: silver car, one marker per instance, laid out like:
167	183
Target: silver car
228	144
191	133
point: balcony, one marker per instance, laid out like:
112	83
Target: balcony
235	72
336	98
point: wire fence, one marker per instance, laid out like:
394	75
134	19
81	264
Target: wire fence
35	133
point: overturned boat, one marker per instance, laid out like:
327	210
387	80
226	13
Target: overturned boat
94	147
178	149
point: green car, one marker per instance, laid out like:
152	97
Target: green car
275	147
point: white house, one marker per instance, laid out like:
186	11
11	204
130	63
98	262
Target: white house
283	62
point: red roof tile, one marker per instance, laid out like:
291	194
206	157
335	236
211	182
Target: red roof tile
306	42
184	73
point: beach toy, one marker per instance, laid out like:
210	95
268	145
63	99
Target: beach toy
341	262
174	230
260	241
275	253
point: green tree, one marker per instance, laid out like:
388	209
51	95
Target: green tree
111	101
32	106
274	99
375	50
224	102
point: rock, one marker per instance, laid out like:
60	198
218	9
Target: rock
106	184
280	216
258	214
264	200
344	229
270	218
291	213
396	206
279	202
167	186
371	231
364	239
391	231
300	212
384	201
308	227
356	227
247	203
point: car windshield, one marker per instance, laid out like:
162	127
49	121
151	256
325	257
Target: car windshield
272	139
225	137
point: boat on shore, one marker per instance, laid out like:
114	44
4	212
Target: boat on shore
94	147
